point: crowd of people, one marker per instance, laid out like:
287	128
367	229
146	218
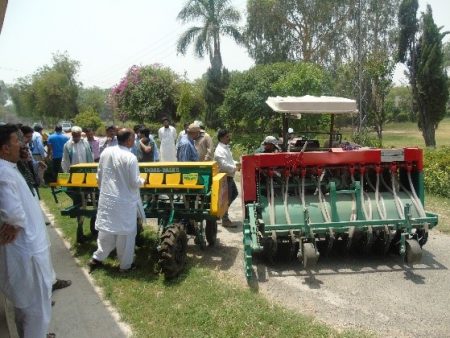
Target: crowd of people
27	278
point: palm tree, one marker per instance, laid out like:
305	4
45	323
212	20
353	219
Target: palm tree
218	17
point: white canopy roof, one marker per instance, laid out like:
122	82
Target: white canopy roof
312	104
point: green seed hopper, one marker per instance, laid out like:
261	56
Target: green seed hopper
186	198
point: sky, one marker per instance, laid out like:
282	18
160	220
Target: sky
109	36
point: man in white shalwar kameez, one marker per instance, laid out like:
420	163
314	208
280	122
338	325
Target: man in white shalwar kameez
119	202
168	137
25	265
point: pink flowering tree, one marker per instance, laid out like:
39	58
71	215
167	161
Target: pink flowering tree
146	93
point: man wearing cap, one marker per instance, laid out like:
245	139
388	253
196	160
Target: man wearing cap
167	136
186	149
204	144
269	145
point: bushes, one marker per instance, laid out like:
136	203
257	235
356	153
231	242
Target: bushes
437	171
88	119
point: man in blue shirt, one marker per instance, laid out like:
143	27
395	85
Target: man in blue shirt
186	151
55	146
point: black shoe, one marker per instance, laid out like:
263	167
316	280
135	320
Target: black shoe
94	264
131	268
61	284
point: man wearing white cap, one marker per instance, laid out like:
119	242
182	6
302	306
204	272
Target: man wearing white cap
269	145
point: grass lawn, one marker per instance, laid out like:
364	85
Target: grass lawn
407	134
197	304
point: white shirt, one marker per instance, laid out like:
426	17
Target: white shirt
119	182
168	137
223	156
20	208
77	153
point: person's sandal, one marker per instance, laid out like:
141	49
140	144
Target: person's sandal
61	284
51	335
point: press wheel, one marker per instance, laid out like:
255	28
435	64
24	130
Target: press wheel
413	253
309	256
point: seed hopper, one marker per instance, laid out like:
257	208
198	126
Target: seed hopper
186	198
303	203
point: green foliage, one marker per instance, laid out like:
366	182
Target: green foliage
50	94
191	105
217	80
398	105
245	107
437	171
431	78
217	18
95	99
408	26
3	93
365	139
310	31
88	119
146	93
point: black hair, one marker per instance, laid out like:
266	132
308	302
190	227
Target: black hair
145	132
87	130
26	129
5	133
123	135
58	128
37	127
221	133
138	127
110	128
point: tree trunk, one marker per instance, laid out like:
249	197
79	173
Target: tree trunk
429	135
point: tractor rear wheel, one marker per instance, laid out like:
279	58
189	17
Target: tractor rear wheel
211	232
172	252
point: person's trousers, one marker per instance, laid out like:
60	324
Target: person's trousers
56	167
232	193
33	320
124	245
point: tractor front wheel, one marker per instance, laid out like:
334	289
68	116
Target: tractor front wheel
172	252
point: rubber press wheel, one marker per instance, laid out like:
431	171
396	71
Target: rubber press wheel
309	255
413	253
211	232
172	252
94	231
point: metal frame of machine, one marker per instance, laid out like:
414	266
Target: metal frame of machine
185	198
361	198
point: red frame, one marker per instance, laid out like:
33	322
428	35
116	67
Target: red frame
314	159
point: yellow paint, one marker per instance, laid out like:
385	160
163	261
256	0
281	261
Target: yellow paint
219	195
155	178
91	179
77	178
174	178
190	179
172	186
63	178
144	176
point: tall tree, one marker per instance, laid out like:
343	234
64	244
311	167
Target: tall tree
50	93
217	18
311	31
424	58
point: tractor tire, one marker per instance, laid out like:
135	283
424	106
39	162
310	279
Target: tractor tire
211	232
172	252
94	231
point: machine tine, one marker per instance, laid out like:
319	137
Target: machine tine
331	238
351	231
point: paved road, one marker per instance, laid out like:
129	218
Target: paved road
378	294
